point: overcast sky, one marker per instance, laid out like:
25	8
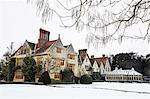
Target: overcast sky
19	22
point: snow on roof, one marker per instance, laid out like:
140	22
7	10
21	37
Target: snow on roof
124	72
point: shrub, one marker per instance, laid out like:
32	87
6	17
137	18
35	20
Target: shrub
11	67
86	79
45	78
28	69
96	76
67	75
8	70
77	79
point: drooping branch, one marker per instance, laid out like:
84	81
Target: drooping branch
105	19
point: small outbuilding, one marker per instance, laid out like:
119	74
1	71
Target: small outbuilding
123	75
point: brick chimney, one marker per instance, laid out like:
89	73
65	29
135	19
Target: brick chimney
43	37
83	53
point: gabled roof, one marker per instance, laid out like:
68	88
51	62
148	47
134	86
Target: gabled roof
16	51
43	43
69	48
45	46
66	46
32	45
92	61
101	60
82	57
49	43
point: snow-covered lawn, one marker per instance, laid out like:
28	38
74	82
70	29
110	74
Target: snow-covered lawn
101	90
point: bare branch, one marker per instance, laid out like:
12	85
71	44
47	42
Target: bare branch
105	20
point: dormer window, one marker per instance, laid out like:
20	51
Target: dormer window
58	50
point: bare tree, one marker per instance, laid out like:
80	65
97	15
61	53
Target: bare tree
9	63
105	20
9	52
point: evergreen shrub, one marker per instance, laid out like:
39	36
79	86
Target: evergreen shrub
86	79
45	78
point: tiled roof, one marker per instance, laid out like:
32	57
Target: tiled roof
45	46
101	60
49	43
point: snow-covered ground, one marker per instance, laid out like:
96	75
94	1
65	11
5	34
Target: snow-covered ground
101	90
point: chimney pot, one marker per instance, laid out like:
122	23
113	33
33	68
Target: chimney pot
103	55
92	56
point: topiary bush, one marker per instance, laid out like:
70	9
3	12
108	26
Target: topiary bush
86	79
45	78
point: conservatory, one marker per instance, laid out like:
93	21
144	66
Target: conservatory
124	75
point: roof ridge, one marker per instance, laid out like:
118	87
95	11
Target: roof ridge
53	40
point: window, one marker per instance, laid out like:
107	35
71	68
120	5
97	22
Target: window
59	62
58	50
39	60
19	77
71	66
97	70
62	62
25	51
21	51
57	76
19	62
18	74
53	62
71	57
